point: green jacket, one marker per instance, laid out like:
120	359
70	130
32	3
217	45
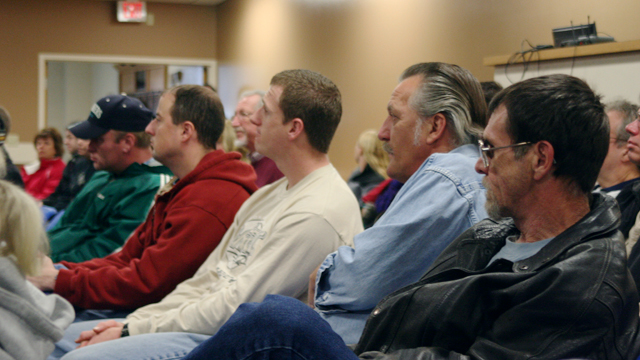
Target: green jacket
107	210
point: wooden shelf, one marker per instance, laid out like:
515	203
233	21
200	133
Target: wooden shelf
569	52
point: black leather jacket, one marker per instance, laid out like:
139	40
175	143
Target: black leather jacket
575	298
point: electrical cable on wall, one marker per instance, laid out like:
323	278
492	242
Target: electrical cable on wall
526	56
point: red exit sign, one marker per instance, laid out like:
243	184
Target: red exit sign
132	11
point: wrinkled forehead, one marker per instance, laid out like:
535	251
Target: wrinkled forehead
248	102
496	130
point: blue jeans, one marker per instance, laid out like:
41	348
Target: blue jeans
165	346
278	328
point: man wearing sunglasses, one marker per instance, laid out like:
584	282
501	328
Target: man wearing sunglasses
545	278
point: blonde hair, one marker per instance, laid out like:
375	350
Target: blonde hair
22	237
373	152
228	137
228	142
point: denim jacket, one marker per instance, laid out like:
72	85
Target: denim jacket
443	198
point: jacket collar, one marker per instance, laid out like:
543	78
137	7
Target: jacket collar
602	220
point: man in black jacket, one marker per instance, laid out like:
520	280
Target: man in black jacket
546	278
76	174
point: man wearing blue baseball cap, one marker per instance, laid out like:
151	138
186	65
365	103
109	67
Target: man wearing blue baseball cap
116	199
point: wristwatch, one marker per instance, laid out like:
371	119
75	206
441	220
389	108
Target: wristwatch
125	331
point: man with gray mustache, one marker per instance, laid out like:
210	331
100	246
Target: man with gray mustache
435	115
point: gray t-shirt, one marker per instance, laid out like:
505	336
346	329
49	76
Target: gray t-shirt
514	251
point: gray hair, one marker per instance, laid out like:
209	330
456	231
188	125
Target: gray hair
454	92
629	112
252	93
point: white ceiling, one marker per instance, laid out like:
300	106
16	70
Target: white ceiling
192	2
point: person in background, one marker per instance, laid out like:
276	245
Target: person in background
490	89
76	174
31	321
619	175
372	163
633	245
246	132
42	177
11	171
228	138
378	200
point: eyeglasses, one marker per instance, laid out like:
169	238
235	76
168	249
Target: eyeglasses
486	151
243	114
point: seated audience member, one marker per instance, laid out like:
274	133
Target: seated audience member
372	163
490	89
116	200
31	321
619	176
189	218
265	168
11	173
277	237
78	171
377	201
227	140
544	278
434	114
633	249
42	177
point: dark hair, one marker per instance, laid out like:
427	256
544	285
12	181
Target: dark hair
455	93
201	106
5	119
5	126
54	135
564	111
490	89
315	100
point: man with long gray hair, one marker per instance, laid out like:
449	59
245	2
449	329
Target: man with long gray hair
435	114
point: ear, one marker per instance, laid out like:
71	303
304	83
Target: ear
127	143
188	131
543	157
437	129
295	129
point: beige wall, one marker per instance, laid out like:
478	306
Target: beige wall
363	45
29	27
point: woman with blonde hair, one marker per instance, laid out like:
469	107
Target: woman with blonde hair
372	164
228	140
31	321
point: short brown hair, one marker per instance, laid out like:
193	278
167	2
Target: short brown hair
315	100
201	106
143	140
54	135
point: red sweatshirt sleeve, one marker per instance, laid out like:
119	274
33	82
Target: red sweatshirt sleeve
189	235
